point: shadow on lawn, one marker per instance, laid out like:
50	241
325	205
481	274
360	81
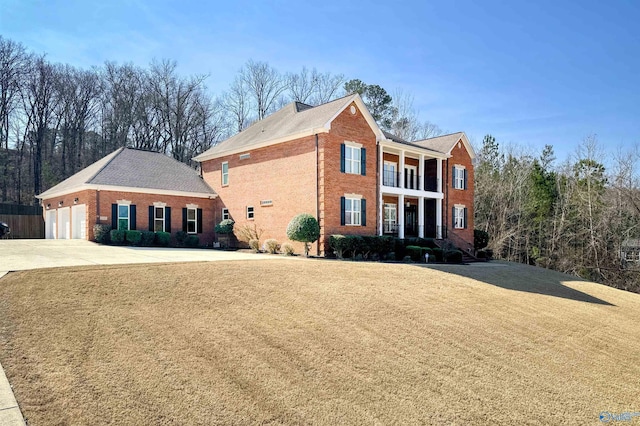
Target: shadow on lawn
526	278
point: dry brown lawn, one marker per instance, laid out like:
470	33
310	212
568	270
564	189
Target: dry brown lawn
317	342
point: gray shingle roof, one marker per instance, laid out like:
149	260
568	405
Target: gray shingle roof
293	119
442	143
135	168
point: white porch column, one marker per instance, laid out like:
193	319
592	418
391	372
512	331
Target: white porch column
401	215
421	217
401	170
439	174
439	216
420	185
380	205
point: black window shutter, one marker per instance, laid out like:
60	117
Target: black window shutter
363	162
363	213
453	217
464	225
151	219
342	202
453	173
114	216
199	224
465	178
342	168
167	219
184	219
132	217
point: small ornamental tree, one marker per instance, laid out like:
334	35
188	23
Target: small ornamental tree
304	228
225	228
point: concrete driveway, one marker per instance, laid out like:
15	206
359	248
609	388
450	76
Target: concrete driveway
18	255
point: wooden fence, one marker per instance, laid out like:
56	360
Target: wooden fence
24	221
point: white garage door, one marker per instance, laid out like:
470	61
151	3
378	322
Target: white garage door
64	223
79	219
50	225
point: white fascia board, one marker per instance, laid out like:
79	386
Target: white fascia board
126	189
248	148
412	148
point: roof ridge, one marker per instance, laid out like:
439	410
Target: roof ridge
440	136
121	149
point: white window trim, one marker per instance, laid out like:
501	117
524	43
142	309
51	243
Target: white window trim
394	176
458	177
390	207
353	144
126	204
225	175
349	164
458	216
155	218
225	212
194	209
355	201
253	212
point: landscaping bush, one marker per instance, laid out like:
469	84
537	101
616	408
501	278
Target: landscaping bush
133	237
163	239
288	249
304	228
101	233
438	253
272	246
254	245
147	238
485	254
339	244
357	245
192	241
480	239
453	256
117	236
414	252
225	227
181	237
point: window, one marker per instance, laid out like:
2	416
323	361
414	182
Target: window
352	160
389	175
192	221
459	217
390	218
158	219
225	214
123	217
249	212
225	173
352	211
459	177
410	177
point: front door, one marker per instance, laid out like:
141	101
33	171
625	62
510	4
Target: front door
410	221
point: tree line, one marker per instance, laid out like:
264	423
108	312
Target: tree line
55	119
573	216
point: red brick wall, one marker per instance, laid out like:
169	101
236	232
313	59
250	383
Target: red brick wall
335	184
142	201
461	157
284	173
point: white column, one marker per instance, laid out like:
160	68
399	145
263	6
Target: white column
421	217
401	215
401	170
439	216
439	174
380	205
421	173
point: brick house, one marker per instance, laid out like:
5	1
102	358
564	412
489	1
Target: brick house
334	162
130	189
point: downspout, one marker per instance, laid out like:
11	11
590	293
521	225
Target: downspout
318	191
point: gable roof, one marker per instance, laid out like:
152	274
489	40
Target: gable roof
445	143
138	171
293	121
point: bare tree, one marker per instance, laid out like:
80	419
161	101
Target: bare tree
328	87
264	84
237	103
301	86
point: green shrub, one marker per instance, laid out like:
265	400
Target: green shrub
339	244
480	239
163	239
304	228
181	237
358	246
147	238
288	249
225	227
133	237
192	241
414	252
438	253
117	236
254	245
101	233
272	246
453	256
485	254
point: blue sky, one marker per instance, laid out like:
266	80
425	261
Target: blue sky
529	72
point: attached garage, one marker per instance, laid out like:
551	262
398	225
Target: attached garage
79	222
50	229
64	223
